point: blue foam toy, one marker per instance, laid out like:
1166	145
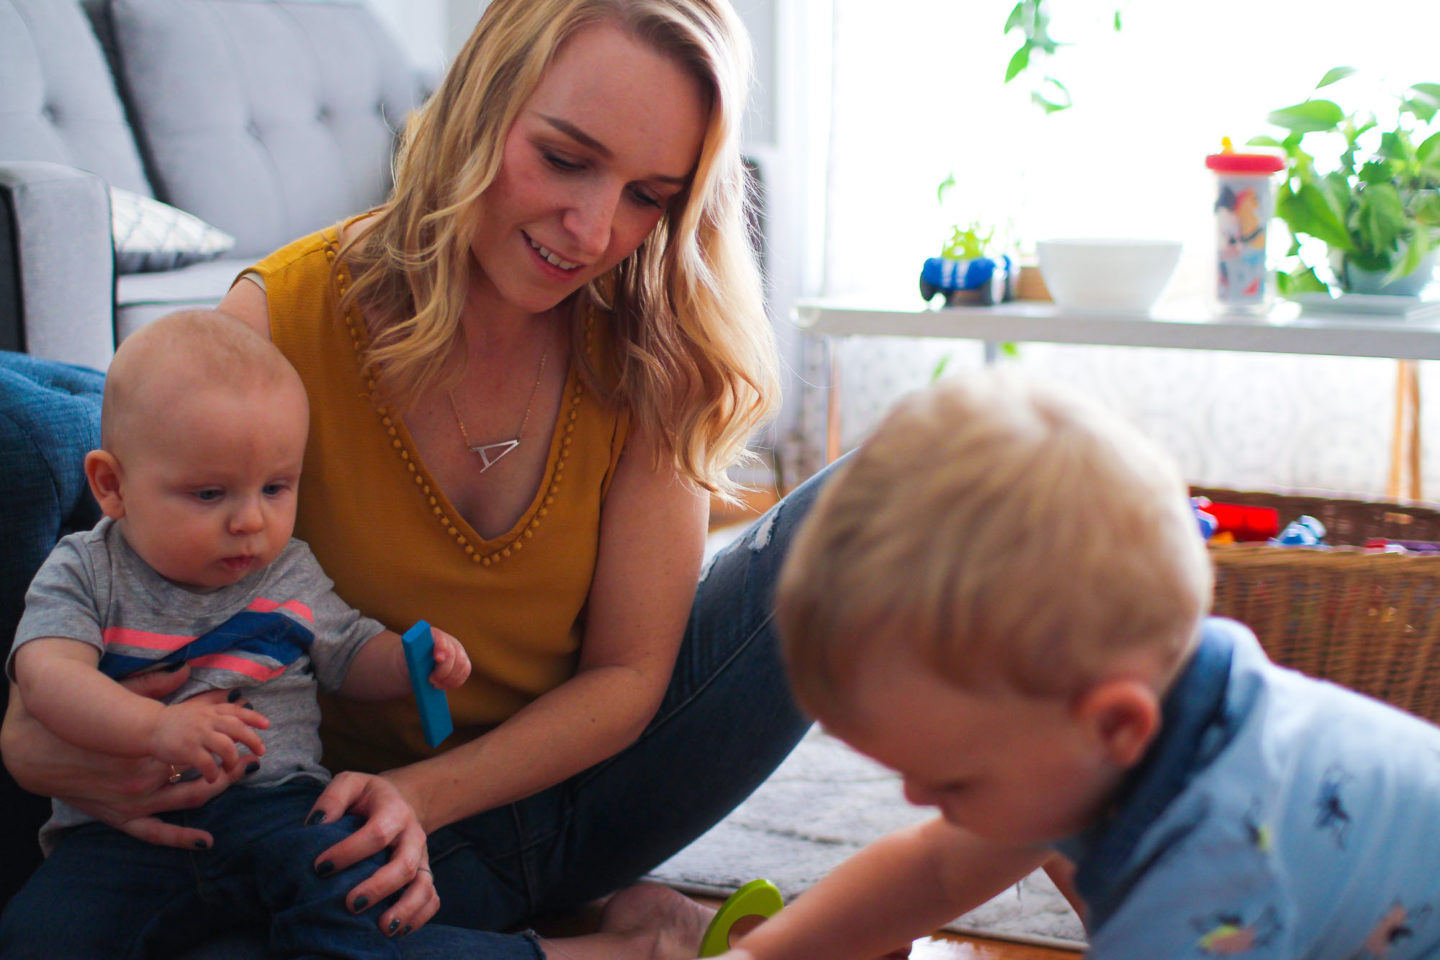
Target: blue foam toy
419	646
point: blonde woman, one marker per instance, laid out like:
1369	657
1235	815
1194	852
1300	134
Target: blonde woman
527	372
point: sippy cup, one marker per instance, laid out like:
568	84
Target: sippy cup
1244	204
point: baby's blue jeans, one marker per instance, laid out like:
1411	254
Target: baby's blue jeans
104	894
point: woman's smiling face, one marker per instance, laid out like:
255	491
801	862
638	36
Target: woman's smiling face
606	141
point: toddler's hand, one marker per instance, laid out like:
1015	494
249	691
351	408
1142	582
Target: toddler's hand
452	663
193	733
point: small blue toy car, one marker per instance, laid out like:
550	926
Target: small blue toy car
994	277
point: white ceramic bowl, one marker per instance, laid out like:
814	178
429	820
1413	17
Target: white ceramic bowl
1107	276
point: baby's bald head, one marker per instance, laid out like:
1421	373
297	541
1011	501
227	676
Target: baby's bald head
161	365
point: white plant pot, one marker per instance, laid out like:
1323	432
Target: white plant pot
1357	280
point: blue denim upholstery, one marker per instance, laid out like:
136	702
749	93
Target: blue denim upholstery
49	419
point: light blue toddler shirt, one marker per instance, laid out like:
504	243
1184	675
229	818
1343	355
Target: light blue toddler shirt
1276	816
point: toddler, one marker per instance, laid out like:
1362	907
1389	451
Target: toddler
1003	597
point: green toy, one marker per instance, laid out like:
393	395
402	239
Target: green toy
758	898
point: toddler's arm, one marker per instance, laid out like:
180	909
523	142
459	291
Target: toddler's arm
378	671
903	886
63	688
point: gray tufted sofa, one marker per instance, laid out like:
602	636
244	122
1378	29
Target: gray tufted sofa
265	118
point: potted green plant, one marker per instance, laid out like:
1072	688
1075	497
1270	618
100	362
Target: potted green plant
1365	184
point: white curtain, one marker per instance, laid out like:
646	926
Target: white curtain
917	93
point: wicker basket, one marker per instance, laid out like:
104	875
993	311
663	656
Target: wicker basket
1368	621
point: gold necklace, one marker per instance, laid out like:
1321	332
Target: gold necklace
490	453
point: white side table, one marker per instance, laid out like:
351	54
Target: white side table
1178	325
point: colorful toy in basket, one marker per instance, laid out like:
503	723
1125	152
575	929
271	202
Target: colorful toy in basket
1386	545
1228	522
1304	531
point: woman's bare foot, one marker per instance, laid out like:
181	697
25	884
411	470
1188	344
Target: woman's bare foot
671	921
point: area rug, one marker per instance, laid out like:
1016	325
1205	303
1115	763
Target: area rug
822	805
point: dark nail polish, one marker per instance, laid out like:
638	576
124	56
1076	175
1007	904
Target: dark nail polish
248	705
360	904
235	695
251	767
317	817
324	868
201	845
172	667
394	925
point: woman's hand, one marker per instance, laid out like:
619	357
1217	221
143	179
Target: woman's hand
391	823
125	793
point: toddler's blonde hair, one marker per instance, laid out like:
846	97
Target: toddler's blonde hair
1008	532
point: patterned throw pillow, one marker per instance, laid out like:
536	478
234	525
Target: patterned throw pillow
150	235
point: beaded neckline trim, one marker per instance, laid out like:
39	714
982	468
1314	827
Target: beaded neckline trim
481	552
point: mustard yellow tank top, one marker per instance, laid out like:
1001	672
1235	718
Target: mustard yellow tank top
400	552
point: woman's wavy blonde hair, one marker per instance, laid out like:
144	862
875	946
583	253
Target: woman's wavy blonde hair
691	354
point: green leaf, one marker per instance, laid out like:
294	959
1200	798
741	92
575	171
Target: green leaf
1429	94
1305	281
1415	250
1052	96
1117	21
1428	152
1334	75
1339	192
1049	106
939	370
1308	210
1426	208
1312	116
1263	141
1011	350
1395	145
1017	17
1018	63
1379	218
944	188
1376	171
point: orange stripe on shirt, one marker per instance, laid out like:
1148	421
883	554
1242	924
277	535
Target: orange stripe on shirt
261	605
228	661
124	636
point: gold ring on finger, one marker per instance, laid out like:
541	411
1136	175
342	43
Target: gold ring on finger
175	774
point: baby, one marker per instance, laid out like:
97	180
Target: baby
1003	597
203	433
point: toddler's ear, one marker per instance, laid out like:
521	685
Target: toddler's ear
102	470
1123	715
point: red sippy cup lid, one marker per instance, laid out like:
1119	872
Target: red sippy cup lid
1228	161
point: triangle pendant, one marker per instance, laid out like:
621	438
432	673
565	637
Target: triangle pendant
491	452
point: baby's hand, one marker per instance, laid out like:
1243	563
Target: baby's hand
193	733
452	663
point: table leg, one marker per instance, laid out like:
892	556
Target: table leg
1404	481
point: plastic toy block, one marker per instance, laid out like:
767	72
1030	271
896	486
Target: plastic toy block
419	646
